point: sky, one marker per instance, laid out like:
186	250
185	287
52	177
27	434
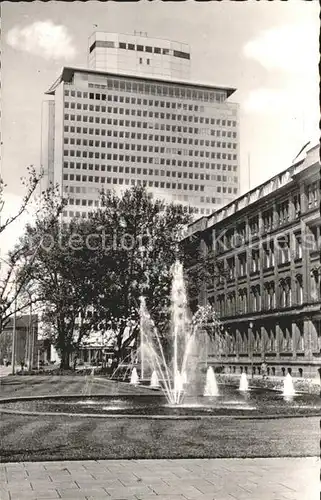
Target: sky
268	51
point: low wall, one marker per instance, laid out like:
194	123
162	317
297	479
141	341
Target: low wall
311	386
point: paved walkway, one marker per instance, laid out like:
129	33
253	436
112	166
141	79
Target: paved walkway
188	479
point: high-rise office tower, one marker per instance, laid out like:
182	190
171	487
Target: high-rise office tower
111	130
138	55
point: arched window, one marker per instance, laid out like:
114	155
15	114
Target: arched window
244	341
257	339
272	296
241	301
270	342
288	292
256	298
298	289
282	293
221	303
314	284
245	299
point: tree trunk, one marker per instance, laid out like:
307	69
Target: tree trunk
65	361
63	342
75	360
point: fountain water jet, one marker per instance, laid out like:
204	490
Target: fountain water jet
288	387
134	379
89	379
177	367
244	385
154	382
211	388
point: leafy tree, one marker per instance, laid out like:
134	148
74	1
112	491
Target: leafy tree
94	271
142	248
47	205
65	274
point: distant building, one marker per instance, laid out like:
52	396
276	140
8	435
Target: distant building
26	341
97	347
112	131
138	55
269	296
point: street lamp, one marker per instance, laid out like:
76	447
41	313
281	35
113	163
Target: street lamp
251	345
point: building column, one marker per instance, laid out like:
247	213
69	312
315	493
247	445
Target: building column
237	344
294	338
260	222
277	340
291	208
89	355
275	216
313	337
307	336
250	348
303	198
305	264
263	342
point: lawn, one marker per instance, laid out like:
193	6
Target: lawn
49	385
66	438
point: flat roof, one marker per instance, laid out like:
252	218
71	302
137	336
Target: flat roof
138	35
222	213
68	73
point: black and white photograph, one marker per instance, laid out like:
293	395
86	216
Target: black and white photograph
160	243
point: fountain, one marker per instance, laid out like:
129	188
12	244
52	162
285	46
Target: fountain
174	364
176	369
211	388
244	385
89	379
134	379
288	387
154	382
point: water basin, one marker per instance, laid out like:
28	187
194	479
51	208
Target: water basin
229	403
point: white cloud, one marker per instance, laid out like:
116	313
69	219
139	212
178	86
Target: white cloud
292	48
43	38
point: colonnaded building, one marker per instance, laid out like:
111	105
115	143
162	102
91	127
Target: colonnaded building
135	118
265	248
